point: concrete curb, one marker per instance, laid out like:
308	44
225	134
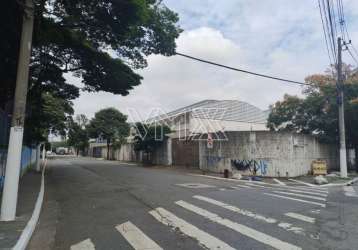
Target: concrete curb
26	234
340	184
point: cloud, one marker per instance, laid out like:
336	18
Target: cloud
277	37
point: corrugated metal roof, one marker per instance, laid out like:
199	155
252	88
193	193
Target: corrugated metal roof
227	110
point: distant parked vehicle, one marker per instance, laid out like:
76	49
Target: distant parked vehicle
49	153
61	151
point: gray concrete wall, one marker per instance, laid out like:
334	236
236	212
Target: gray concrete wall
273	153
162	156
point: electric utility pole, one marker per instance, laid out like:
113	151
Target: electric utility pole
13	161
342	133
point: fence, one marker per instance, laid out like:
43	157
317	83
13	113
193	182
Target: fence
28	157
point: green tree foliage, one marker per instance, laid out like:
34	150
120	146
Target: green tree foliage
149	137
50	118
77	134
111	125
317	111
101	42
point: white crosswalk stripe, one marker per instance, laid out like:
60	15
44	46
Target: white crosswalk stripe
277	186
242	229
303	182
301	217
279	182
287	226
292	189
306	192
302	195
136	238
349	191
294	199
205	239
243	186
236	209
84	245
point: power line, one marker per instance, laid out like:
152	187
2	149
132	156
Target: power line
345	33
325	32
241	70
327	27
333	34
352	55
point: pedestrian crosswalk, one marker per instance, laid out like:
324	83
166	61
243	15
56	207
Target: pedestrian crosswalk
83	245
282	230
301	217
136	237
242	229
350	191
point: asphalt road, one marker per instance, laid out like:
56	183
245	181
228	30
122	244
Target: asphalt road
92	204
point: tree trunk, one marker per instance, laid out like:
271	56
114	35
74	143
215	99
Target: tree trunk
108	149
356	157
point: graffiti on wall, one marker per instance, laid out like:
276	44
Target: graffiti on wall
254	166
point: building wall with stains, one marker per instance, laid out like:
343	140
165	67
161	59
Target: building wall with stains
274	154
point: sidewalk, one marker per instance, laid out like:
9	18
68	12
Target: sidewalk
28	191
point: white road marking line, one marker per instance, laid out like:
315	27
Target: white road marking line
205	239
195	185
256	185
318	189
84	245
276	186
222	189
302	182
287	226
279	182
235	209
301	217
291	189
242	229
294	199
302	195
243	186
312	187
315	211
233	187
135	237
307	192
349	191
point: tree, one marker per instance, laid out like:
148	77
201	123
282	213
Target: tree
99	41
149	137
317	112
77	134
109	124
81	120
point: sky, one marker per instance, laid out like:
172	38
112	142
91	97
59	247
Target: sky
277	37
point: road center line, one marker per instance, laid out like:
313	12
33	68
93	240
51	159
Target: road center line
302	195
135	237
205	239
294	199
301	217
242	229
